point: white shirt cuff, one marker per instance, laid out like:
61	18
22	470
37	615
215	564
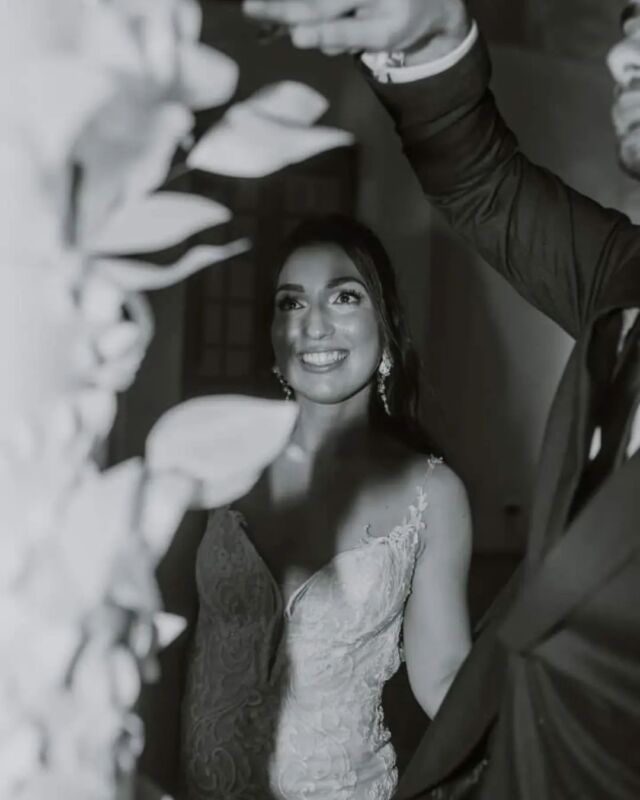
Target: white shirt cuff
378	63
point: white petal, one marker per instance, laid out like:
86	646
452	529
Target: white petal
54	99
251	145
167	127
118	375
131	744
38	334
92	682
109	39
125	676
63	427
138	275
97	409
139	311
220	440
168	627
156	222
101	300
141	637
189	17
19	757
42	648
126	154
208	77
187	14
118	340
134	586
100	519
14	554
29	28
160	42
287	101
225	489
54	647
114	356
32	218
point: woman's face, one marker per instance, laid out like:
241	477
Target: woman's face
325	331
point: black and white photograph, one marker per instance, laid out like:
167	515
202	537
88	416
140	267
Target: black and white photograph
320	434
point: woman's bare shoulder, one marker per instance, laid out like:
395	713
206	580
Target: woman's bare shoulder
412	465
444	500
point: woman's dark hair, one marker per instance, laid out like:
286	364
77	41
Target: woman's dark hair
371	260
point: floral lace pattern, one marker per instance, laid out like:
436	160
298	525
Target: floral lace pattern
285	703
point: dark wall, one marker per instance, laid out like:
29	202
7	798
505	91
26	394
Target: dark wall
580	29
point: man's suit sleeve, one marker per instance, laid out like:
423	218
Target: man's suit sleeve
555	246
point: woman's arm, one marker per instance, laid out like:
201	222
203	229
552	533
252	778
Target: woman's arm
436	622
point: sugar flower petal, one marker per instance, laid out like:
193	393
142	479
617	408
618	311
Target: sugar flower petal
207	77
168	627
157	221
287	101
267	133
100	517
218	440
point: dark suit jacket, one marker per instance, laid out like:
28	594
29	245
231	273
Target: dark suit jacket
558	667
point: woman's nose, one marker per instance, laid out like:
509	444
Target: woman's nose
624	60
317	324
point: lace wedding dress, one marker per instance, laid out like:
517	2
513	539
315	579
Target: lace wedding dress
285	703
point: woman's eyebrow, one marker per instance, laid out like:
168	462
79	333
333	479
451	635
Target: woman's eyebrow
290	287
297	287
340	281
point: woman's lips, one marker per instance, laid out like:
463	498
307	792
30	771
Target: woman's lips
321	360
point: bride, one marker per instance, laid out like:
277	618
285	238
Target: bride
351	551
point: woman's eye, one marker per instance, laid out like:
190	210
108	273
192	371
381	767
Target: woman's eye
348	297
288	303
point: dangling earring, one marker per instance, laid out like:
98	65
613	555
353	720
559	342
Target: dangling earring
288	391
384	370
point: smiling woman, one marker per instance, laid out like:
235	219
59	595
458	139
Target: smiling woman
351	258
325	332
355	536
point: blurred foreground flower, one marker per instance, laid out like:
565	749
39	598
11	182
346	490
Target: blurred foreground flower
96	96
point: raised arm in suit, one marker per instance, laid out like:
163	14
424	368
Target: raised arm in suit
555	246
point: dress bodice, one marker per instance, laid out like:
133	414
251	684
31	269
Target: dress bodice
283	701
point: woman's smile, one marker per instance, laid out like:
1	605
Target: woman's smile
322	360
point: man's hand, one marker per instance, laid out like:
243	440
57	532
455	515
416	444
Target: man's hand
425	28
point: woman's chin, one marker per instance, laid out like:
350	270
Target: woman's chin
326	394
324	398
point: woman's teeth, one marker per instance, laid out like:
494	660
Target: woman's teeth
324	358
